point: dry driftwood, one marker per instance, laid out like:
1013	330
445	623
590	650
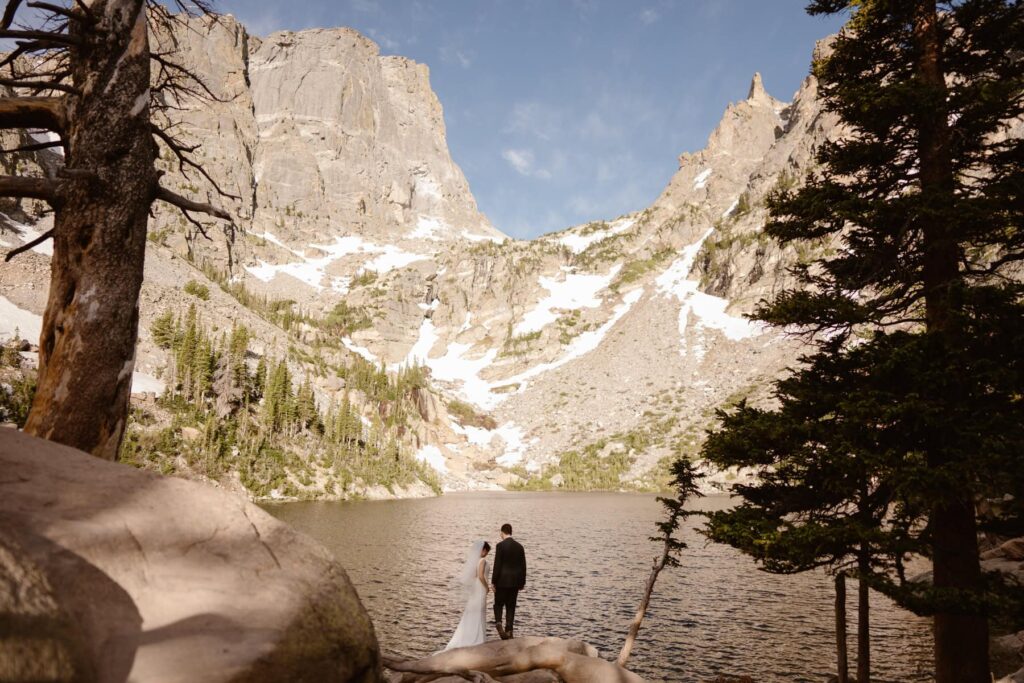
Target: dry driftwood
519	660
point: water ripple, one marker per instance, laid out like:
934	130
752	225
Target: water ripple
588	557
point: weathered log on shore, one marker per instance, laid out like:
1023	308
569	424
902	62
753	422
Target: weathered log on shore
519	660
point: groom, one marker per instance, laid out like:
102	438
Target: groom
508	578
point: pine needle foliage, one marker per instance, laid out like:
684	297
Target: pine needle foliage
258	419
909	412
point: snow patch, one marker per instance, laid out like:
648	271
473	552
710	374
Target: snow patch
732	207
359	350
702	179
432	455
15	320
574	292
427	187
427	228
453	366
49	136
482	238
581	345
29	233
312	271
577	242
392	258
143	383
515	444
29	326
708	310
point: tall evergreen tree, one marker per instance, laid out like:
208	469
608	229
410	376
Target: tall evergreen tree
827	489
924	196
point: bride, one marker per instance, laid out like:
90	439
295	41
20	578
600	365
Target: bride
472	582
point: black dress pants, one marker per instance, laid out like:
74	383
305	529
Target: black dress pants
505	598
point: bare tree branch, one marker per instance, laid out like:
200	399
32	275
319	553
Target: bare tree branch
61	38
186	204
39	85
33	148
9	12
28	188
171	66
33	112
28	245
64	11
181	151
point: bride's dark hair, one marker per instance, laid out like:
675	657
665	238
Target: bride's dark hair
487	546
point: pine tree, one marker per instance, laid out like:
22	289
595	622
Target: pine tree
826	492
163	329
923	197
307	414
259	380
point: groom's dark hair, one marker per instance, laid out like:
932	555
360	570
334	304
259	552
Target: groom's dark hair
506	529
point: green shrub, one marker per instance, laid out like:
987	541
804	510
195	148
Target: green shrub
197	289
467	415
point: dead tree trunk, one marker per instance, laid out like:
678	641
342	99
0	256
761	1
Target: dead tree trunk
87	347
645	601
95	54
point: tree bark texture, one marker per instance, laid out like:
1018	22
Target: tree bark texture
863	618
842	665
87	347
961	640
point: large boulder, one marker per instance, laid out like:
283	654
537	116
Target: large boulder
225	591
61	618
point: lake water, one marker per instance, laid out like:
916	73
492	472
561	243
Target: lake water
588	558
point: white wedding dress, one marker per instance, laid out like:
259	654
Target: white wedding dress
472	625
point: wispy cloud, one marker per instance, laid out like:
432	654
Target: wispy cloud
595	127
383	40
524	163
649	16
536	119
519	159
453	55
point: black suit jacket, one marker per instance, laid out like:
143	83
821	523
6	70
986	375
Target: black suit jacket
509	565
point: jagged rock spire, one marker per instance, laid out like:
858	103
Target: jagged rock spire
757	91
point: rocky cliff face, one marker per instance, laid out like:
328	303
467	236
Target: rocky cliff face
582	358
322	139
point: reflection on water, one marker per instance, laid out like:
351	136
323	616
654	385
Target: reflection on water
588	557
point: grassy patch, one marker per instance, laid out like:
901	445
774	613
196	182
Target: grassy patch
637	268
468	416
519	345
197	289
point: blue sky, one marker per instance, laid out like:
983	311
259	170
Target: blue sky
565	111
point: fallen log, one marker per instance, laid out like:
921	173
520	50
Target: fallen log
518	660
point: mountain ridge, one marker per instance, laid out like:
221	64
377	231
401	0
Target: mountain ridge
582	358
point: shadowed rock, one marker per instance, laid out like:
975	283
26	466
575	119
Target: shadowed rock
61	618
225	591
